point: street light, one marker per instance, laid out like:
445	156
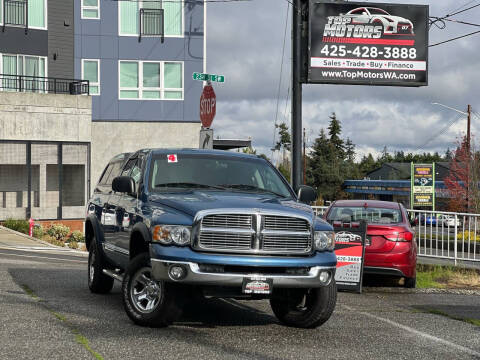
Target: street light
451	108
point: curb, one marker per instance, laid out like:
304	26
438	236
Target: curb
47	244
421	291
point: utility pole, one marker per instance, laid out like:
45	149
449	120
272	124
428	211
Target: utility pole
296	94
304	159
469	113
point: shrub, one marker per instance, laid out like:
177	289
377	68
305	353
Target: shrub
58	231
73	245
77	236
38	231
17	225
468	235
53	241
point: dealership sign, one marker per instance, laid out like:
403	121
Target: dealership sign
368	44
423	185
350	252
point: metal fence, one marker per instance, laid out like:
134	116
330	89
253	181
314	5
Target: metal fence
444	235
24	83
447	235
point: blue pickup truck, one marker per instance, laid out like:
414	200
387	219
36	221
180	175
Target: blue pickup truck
172	224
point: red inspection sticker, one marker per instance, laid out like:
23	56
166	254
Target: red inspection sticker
172	158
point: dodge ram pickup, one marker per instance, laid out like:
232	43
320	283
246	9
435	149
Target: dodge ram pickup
172	224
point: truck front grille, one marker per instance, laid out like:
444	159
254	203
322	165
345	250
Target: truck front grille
254	233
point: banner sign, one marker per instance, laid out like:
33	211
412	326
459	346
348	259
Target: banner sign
423	185
350	252
368	43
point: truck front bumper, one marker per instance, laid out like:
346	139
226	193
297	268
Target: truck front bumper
318	270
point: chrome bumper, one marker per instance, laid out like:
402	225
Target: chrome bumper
196	277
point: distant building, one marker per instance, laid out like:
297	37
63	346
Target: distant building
134	58
391	182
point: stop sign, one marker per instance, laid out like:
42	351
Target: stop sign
208	106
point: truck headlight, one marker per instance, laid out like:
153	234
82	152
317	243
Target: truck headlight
168	234
324	240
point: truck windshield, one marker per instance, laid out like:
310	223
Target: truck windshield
370	214
215	173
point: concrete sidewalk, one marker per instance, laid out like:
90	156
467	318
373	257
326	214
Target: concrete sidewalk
15	240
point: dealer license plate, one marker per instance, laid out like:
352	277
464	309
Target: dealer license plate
257	285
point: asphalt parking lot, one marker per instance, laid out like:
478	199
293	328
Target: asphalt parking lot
48	313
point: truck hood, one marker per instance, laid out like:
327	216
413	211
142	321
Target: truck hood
191	202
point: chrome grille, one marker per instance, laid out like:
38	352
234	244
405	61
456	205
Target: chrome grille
285	223
287	243
213	240
227	221
254	233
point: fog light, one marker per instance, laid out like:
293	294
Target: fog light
177	272
324	277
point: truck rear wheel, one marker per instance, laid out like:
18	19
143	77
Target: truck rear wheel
305	308
148	302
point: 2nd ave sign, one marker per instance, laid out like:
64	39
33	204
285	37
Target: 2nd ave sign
208	106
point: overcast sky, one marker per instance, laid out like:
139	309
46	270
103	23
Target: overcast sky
244	43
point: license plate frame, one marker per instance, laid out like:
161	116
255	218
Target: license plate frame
257	285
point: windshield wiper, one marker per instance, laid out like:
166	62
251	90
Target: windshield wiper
251	187
189	185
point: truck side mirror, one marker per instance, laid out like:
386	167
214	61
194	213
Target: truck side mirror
123	184
306	194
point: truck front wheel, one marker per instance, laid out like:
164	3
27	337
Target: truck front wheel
148	302
305	308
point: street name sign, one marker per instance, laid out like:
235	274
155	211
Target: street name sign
208	77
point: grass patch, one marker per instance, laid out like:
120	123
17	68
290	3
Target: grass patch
82	340
442	277
475	322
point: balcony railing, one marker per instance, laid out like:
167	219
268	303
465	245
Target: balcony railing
23	83
151	23
15	13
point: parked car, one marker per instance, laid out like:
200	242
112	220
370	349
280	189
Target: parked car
172	224
449	220
390	245
427	219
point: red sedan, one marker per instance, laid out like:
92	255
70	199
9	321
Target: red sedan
390	245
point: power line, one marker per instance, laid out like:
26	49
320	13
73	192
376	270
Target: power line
440	133
280	79
455	38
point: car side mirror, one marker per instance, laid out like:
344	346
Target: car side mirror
306	194
123	184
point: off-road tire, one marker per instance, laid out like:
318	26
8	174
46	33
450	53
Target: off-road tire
167	308
319	306
98	282
410	282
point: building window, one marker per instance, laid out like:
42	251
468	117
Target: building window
90	9
151	80
91	72
22	72
16	13
129	16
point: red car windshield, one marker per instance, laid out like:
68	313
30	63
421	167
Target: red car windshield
370	214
